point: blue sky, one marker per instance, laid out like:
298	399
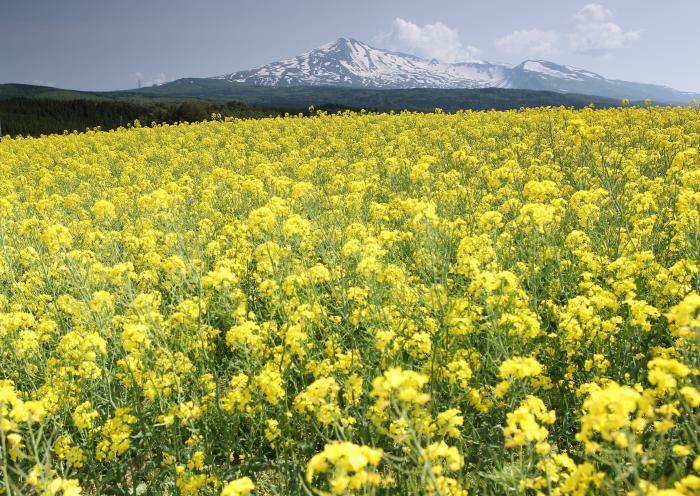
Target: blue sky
102	45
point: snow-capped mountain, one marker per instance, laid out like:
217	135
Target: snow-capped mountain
352	63
348	62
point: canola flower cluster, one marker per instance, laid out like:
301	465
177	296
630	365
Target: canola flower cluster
476	303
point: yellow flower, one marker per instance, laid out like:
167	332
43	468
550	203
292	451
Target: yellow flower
684	318
104	209
84	416
399	385
239	487
449	421
56	237
101	301
269	383
521	367
607	412
523	424
319	398
681	450
350	466
116	434
663	373
440	457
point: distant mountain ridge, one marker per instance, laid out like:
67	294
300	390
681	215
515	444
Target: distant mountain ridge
351	63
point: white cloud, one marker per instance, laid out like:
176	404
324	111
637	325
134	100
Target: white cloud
156	80
593	12
596	34
39	82
532	42
436	40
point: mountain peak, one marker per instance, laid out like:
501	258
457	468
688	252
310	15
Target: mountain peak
347	41
342	45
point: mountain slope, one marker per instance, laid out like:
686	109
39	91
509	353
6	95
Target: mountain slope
351	63
544	75
16	90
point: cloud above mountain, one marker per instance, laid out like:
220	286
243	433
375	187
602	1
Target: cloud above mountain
145	81
531	42
41	82
595	33
435	40
591	31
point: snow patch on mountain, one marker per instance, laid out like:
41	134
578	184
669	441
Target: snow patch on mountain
538	66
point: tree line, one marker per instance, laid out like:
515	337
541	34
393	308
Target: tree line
36	116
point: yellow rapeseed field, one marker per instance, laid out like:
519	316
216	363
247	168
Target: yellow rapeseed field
478	303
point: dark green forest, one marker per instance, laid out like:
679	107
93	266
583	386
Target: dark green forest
35	116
